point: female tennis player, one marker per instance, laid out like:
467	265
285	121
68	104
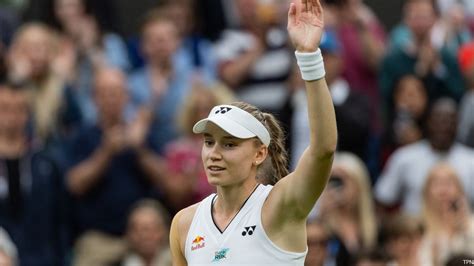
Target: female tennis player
246	222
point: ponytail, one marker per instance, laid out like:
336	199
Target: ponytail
275	165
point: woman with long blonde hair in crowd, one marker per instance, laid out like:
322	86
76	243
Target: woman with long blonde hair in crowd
347	206
447	216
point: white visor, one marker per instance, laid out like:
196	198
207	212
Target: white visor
236	122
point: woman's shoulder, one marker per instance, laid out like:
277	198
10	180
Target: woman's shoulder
183	219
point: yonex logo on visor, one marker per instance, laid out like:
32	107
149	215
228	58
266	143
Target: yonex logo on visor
236	122
222	110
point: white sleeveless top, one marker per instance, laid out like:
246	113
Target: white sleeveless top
243	242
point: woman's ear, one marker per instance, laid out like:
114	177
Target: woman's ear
261	155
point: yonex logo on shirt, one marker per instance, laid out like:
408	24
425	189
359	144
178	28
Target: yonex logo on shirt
248	230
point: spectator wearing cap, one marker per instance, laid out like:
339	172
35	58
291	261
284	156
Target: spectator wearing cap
466	110
352	108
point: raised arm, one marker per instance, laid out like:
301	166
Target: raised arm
295	195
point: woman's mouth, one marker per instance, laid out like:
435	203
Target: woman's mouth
214	168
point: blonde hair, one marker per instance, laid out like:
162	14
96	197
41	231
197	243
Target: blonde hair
46	94
275	165
217	93
356	169
431	220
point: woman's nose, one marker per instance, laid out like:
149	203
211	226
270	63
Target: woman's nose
214	154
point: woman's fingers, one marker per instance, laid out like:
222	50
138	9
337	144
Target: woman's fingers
292	15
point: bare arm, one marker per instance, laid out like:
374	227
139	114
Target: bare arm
83	176
177	252
234	72
295	195
179	232
176	187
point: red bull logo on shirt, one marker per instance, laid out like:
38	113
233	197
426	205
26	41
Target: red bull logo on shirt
197	243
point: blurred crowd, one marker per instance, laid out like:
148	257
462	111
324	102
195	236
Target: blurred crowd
96	143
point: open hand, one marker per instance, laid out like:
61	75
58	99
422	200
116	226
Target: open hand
305	24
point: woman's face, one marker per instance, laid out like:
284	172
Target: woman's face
146	232
160	41
420	18
35	45
342	189
228	160
411	96
442	189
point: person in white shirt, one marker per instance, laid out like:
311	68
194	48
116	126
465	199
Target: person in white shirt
246	222
407	169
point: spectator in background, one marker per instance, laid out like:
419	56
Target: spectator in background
466	109
448	218
162	83
467	7
415	54
347	206
112	166
195	52
30	196
147	235
406	170
407	112
253	59
43	64
373	257
362	41
401	237
93	48
451	30
318	234
351	107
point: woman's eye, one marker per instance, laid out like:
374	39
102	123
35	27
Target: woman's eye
208	142
229	145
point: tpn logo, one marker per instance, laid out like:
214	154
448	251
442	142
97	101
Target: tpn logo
248	230
220	255
468	262
222	110
198	243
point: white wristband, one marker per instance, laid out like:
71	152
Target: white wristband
311	65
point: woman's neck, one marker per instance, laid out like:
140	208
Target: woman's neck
231	199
